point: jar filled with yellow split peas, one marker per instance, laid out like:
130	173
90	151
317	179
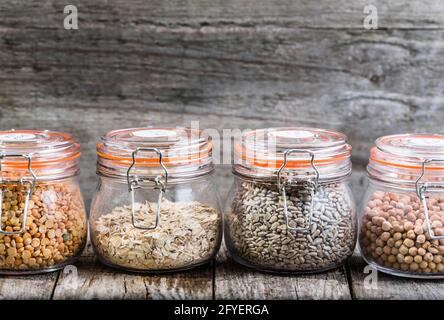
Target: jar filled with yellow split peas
402	219
43	221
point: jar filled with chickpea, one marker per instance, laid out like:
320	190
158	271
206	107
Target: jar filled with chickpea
43	220
401	224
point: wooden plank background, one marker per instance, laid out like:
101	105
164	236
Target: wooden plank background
227	64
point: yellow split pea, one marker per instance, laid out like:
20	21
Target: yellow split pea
55	227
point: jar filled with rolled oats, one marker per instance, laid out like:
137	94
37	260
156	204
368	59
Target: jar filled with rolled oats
156	207
291	209
43	221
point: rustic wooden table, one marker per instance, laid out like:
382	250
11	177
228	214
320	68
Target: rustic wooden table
222	279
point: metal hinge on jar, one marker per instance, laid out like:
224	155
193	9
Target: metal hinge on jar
282	184
21	181
421	188
134	184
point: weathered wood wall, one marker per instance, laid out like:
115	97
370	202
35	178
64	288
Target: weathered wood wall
229	64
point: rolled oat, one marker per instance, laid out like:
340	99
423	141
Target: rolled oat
188	234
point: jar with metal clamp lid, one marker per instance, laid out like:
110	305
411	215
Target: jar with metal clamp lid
156	207
401	229
43	221
291	209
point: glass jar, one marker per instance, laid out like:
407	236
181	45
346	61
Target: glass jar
43	220
401	222
291	209
156	207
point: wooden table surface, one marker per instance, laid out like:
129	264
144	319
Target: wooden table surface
221	279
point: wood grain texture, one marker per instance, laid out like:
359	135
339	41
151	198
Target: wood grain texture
390	287
303	13
30	287
93	280
249	65
233	281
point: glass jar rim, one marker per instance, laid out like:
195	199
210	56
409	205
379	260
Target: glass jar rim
407	158
299	151
149	151
47	154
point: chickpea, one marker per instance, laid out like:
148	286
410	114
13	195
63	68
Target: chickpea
403	250
421	238
418	258
378	242
433	250
428	257
398	243
391	259
408	259
379	251
386	226
397	236
385	236
391	242
409	243
408	226
411	234
421	251
414	266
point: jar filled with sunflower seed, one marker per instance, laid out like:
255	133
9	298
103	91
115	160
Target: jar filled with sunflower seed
291	208
43	221
156	207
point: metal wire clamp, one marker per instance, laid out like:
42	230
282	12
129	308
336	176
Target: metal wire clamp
21	181
282	185
421	188
134	184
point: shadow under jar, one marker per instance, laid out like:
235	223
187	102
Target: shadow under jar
401	222
156	207
43	220
290	208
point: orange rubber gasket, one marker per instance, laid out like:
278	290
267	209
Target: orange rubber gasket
398	165
294	163
154	162
38	164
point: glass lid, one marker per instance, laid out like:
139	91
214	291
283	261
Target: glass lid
406	157
411	147
48	153
183	151
301	151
